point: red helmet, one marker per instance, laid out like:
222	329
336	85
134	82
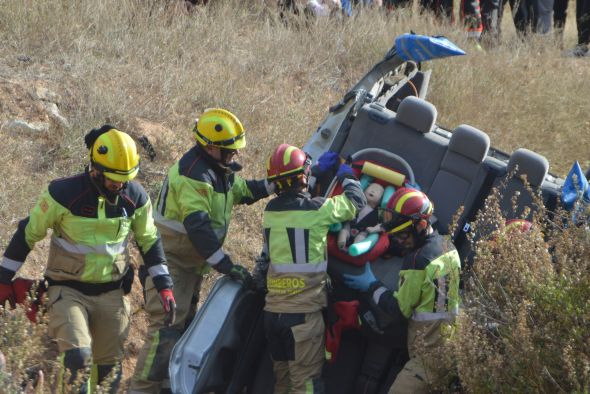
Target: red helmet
288	162
407	207
521	225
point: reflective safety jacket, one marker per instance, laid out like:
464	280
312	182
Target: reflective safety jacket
90	234
295	239
428	283
195	205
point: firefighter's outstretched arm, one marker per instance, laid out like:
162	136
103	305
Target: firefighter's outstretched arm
203	238
382	296
29	231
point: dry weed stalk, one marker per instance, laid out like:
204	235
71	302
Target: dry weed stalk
524	324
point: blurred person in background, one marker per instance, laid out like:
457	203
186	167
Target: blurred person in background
193	214
469	12
347	5
529	16
428	293
295	241
317	8
92	216
582	25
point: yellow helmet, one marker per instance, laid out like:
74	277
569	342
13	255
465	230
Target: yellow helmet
114	153
220	128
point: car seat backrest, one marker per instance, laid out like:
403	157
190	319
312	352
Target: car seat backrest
417	114
523	164
461	174
406	134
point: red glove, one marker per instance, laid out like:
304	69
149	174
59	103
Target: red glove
169	304
17	292
346	314
6	294
22	288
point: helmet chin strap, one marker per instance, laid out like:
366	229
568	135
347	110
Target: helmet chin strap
230	167
98	180
234	166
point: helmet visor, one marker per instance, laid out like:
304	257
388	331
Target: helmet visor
117	175
237	142
393	221
296	171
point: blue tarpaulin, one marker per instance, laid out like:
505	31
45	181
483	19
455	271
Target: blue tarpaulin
420	48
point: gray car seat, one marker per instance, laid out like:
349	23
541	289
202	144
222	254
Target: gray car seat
461	175
522	165
406	134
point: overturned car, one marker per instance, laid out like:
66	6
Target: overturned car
386	121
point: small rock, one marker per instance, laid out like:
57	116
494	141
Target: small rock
24	58
53	111
20	126
44	94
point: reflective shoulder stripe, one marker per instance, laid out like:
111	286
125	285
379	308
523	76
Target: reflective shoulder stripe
216	257
290	268
157	270
171	224
377	294
427	316
108	249
10	264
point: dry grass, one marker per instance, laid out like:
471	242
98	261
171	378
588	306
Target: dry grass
135	61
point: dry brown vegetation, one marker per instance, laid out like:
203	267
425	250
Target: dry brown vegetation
151	66
523	325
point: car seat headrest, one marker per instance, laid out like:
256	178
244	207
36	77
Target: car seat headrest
530	163
416	113
470	142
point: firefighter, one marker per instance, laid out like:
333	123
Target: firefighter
193	215
428	293
92	215
295	232
469	12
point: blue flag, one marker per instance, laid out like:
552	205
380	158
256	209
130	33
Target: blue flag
574	187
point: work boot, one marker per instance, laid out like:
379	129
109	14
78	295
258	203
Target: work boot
580	50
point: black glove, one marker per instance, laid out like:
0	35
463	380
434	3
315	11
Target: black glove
241	274
224	266
259	273
234	271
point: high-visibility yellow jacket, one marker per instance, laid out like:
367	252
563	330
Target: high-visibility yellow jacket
295	232
195	205
90	234
428	283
